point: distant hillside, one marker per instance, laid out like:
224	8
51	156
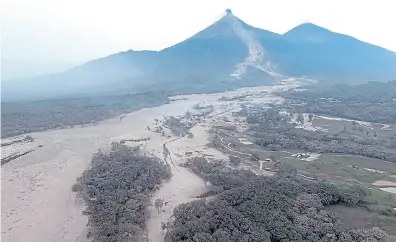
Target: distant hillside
371	102
318	52
227	54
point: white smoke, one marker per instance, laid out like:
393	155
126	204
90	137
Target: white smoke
257	55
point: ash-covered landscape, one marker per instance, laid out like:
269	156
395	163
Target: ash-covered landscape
234	134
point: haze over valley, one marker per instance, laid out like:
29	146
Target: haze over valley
229	53
234	134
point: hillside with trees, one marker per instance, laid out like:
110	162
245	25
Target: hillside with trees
258	208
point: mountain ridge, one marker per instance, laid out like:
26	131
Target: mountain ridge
313	26
222	54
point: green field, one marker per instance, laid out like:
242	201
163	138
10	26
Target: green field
340	169
336	126
351	169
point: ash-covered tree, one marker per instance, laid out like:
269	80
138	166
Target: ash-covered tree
264	209
158	203
117	190
310	117
235	160
300	118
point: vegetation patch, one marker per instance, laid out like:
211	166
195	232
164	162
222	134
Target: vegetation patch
117	190
371	102
273	130
359	217
7	159
26	117
259	208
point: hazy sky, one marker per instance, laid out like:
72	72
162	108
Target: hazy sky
79	30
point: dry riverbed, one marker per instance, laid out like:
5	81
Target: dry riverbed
37	201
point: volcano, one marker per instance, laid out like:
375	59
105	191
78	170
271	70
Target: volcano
227	54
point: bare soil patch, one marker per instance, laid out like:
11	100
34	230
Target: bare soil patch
383	183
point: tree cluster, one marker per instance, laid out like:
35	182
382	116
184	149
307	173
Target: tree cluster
257	208
371	102
274	131
180	126
235	160
26	117
117	189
